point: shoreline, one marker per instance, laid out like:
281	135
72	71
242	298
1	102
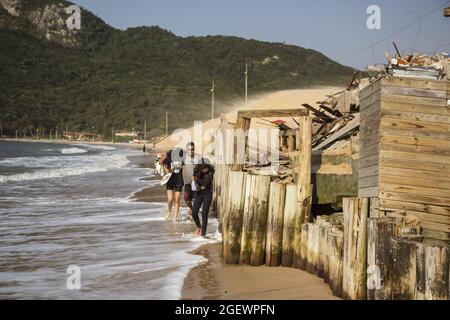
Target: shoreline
213	280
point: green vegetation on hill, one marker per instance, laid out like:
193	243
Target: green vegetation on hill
119	78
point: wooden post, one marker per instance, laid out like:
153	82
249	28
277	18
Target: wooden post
254	226
356	212
290	210
301	263
274	237
291	142
232	231
258	239
240	143
322	266
304	187
432	272
403	269
312	257
247	224
379	283
335	242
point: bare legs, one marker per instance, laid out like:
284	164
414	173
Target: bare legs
177	205
169	203
171	198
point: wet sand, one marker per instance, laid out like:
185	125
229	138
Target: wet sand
215	280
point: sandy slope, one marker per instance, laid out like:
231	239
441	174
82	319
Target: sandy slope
288	99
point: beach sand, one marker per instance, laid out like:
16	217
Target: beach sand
215	280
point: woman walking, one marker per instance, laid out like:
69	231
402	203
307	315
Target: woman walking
203	177
173	164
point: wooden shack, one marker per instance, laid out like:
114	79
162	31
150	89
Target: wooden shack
404	157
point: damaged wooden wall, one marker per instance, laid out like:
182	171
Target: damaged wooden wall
405	150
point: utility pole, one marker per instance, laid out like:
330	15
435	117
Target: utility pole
56	133
51	131
246	83
145	129
212	101
37	134
112	135
167	123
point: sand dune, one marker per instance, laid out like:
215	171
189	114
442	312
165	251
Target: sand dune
288	99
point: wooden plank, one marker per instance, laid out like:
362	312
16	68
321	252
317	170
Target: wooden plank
423	216
335	136
433	234
435	226
369	90
412	164
442	128
368	150
369	161
370	192
272	113
370	111
366	102
418	198
415	83
417	182
414	190
367	172
422	150
318	113
416	141
367	182
437	102
240	142
415	108
403	91
416	116
415	207
388	130
427	158
401	172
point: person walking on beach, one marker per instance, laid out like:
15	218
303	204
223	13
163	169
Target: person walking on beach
144	149
190	161
172	163
203	177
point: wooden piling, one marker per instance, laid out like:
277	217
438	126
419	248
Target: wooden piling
312	256
403	268
258	240
304	186
432	271
254	225
274	238
240	143
335	242
379	284
356	212
234	216
303	247
289	222
322	265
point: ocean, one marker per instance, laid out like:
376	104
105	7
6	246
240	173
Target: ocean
67	212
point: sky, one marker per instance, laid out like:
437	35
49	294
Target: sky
338	29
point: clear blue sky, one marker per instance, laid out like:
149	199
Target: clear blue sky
335	28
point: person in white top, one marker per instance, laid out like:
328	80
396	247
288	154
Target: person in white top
191	159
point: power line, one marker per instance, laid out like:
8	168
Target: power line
394	33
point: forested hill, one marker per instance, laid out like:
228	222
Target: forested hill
102	77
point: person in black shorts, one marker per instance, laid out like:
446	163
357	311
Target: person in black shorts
173	164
